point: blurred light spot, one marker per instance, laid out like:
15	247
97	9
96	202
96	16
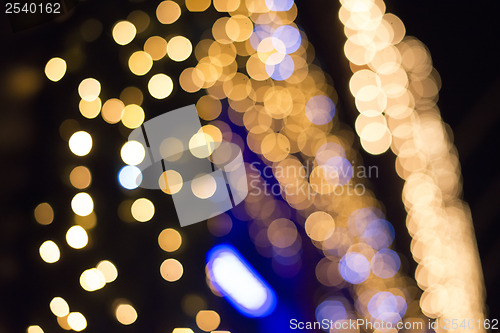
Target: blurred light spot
279	5
124	32
201	145
55	69
59	307
133	116
233	277
44	214
342	167
125	314
80	143
282	70
77	321
143	210
320	110
34	329
319	226
207	320
168	12
77	237
179	48
192	303
331	311
160	86
131	95
112	110
385	263
156	47
197	5
92	280
89	89
171	270
49	252
170	182
208	107
80	177
87	222
239	28
378	234
132	152
91	109
282	233
82	204
354	267
289	36
226	5
203	186
182	330
108	270
130	177
170	240
140	63
387	307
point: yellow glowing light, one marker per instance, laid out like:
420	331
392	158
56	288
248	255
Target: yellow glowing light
133	116
87	222
182	330
77	237
143	210
80	177
201	145
170	240
108	270
89	89
63	322
207	320
140	63
208	107
171	149
171	270
132	152
92	279
139	19
197	5
59	307
156	46
77	321
170	182
179	48
91	109
168	12
124	32
319	226
49	252
125	314
204	186
160	86
239	28
226	5
55	69
82	204
80	143
112	110
34	329
44	214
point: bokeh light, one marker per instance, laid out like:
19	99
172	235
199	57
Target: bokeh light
171	270
130	177
44	214
160	86
207	320
108	270
82	204
55	69
89	89
170	240
124	32
125	314
77	237
92	279
168	12
179	48
354	267
80	177
132	152
143	210
80	143
49	252
77	321
59	307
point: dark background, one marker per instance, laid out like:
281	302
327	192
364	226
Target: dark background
462	36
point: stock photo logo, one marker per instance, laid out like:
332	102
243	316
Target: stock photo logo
173	153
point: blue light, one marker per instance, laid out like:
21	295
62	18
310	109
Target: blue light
331	310
342	167
385	263
233	277
387	307
260	32
320	110
130	177
290	36
379	234
281	71
279	5
354	267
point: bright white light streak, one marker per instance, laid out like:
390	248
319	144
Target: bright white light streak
239	283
